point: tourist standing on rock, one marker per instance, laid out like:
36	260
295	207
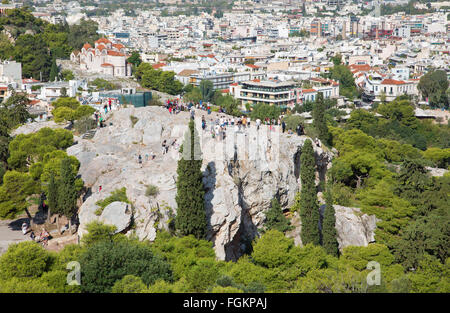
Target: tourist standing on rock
164	148
283	126
140	159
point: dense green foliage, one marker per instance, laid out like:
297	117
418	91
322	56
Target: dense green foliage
320	122
399	123
67	190
38	43
207	90
117	195
103	84
104	263
69	109
433	86
329	233
32	160
191	215
346	80
275	218
163	81
307	202
263	110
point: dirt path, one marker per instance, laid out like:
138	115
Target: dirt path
10	232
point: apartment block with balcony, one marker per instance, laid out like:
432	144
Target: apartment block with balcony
283	94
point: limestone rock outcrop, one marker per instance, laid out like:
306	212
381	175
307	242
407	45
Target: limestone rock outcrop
242	173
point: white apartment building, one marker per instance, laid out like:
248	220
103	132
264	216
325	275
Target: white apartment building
11	74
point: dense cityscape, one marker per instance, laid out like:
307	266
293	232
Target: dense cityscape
190	146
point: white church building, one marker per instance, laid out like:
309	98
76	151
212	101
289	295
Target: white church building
106	58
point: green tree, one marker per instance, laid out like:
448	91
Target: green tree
52	196
263	110
53	71
320	122
24	260
129	284
105	263
67	191
433	85
337	59
97	232
194	95
329	234
308	204
67	75
135	58
346	80
16	188
207	90
191	216
426	235
275	218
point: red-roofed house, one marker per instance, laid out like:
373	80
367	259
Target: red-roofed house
105	57
158	65
391	88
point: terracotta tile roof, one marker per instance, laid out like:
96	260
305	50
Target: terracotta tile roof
252	66
158	65
308	90
29	80
115	53
103	40
106	65
87	46
118	46
392	82
360	67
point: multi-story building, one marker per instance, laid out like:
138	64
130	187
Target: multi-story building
390	88
283	94
220	81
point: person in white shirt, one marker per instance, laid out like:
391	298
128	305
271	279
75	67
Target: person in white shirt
258	123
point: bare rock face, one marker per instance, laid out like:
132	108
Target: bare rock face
241	174
117	214
434	171
353	227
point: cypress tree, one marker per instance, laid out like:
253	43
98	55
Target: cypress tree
191	216
309	206
320	123
275	218
53	71
329	234
67	194
52	196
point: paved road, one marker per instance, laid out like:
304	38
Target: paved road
10	232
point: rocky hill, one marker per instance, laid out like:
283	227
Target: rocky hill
241	175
